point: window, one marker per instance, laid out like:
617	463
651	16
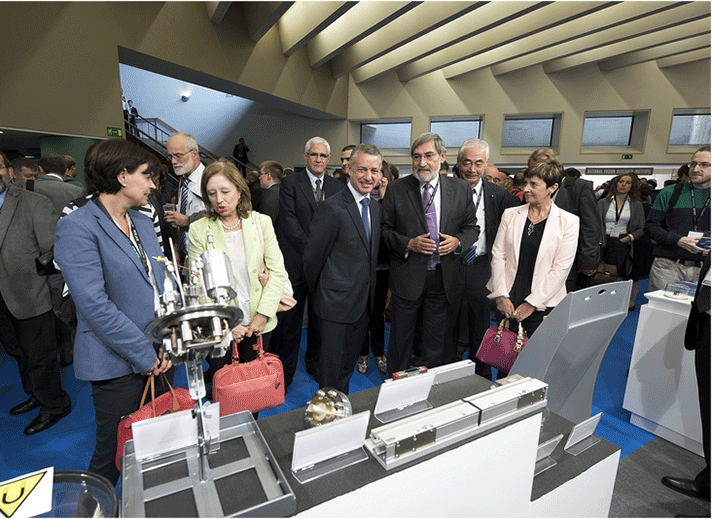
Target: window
603	130
531	131
614	132
456	130
690	128
393	136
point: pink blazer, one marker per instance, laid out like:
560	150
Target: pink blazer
553	262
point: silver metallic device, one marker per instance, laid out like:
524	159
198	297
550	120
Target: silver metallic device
190	330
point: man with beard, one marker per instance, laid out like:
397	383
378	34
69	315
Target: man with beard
427	220
27	325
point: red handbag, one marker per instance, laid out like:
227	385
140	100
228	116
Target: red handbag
172	402
252	386
500	346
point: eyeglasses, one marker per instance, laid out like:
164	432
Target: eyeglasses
314	155
177	156
703	165
428	156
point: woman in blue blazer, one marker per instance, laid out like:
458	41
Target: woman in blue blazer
107	253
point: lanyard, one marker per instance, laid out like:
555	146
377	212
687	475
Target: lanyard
619	213
432	197
695	218
137	247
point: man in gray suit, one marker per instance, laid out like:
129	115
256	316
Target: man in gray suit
51	182
27	326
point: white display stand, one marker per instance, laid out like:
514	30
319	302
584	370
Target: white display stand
486	480
661	392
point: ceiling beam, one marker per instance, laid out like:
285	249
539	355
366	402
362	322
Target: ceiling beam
613	14
360	21
217	10
305	19
663	15
687	57
262	16
636	43
661	51
506	23
421	20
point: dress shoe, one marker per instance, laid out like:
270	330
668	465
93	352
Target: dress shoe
25	407
45	421
685	486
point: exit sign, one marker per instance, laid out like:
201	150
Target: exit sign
113	131
627	157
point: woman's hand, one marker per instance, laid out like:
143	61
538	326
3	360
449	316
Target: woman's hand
161	366
504	305
257	325
239	332
625	239
523	311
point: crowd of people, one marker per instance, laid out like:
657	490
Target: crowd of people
445	250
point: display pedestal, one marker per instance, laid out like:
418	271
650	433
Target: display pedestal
661	392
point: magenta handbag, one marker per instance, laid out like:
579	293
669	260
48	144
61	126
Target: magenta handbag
500	346
252	386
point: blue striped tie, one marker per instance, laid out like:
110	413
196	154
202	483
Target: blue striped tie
364	217
183	208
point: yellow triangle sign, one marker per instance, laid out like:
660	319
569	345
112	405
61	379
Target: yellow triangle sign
14	494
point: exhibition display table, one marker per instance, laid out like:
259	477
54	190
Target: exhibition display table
489	475
661	392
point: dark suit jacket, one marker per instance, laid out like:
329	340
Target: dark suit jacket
112	292
27	225
297	206
57	190
692	332
269	203
496	200
403	218
577	197
339	262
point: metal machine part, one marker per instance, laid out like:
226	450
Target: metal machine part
325	406
196	321
430	431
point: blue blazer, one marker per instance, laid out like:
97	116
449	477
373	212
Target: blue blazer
111	290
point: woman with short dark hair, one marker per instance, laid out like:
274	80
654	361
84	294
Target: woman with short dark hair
107	253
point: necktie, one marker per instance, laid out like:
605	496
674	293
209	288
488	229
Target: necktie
364	217
471	254
183	208
432	220
318	192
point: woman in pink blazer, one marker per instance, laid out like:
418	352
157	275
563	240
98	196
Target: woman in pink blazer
533	252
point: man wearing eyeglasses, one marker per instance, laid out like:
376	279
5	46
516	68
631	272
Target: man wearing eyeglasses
183	154
679	223
299	195
427	220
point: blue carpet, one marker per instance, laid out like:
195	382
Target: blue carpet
69	444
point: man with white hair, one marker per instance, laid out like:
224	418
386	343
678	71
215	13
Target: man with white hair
299	195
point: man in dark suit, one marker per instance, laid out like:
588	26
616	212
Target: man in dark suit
697	337
490	202
576	196
27	326
271	174
239	152
427	220
299	195
51	182
340	266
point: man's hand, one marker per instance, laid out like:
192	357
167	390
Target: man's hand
690	245
448	244
422	244
625	239
177	219
587	272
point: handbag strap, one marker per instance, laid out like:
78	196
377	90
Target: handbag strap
500	328
258	347
235	352
151	382
520	338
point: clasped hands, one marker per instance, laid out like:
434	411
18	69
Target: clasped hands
161	366
424	245
255	327
504	305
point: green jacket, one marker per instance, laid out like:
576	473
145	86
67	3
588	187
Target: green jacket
262	300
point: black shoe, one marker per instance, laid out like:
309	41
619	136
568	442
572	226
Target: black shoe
45	421
685	486
25	407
